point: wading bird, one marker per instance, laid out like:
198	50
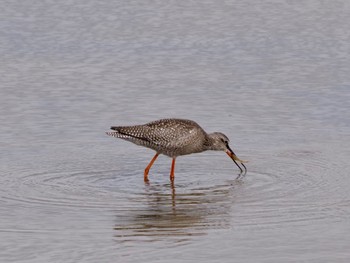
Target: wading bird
174	137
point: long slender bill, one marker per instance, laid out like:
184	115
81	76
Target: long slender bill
234	158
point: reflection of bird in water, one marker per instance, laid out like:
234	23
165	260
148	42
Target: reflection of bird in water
150	216
174	137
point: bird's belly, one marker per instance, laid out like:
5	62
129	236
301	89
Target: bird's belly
179	151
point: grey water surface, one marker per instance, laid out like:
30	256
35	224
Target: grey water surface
274	76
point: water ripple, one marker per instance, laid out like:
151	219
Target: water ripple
273	196
304	192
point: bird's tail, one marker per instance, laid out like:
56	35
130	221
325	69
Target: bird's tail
127	132
116	133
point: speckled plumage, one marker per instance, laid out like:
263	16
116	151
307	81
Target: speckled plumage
173	137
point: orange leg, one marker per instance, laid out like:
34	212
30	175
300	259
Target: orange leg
172	172
145	175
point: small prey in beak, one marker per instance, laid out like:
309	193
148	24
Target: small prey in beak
234	158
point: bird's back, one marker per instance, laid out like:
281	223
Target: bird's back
172	137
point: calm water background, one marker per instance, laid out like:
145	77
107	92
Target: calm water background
274	76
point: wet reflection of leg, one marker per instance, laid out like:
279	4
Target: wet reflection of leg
173	194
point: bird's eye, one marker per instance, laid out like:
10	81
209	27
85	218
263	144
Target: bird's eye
224	141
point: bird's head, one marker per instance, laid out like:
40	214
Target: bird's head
220	142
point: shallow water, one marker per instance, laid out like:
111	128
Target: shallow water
272	76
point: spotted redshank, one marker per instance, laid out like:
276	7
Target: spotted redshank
174	137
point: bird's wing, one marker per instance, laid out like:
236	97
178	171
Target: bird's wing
173	132
161	135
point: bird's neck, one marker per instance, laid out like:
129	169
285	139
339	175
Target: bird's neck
209	142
